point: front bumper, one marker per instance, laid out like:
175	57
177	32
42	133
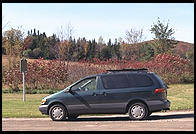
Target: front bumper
43	109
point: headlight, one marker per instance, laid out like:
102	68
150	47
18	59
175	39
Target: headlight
43	101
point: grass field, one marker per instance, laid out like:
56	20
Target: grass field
180	95
13	105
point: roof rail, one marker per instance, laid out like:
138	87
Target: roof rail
129	69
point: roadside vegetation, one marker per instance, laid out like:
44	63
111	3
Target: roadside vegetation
47	76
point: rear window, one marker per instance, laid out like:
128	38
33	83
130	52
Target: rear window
126	81
115	81
139	80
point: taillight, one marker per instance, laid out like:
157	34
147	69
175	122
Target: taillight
159	90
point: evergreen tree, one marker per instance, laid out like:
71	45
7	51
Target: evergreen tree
163	37
34	33
109	43
28	33
116	50
106	53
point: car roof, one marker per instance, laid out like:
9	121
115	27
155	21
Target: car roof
124	71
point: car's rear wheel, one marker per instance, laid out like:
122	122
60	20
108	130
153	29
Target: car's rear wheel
57	112
138	111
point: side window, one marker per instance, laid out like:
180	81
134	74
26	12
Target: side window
139	80
115	81
85	85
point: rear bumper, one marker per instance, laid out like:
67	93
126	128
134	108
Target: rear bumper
43	109
159	105
166	105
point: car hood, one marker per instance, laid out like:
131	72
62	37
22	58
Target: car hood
55	95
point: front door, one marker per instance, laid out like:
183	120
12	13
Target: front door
84	96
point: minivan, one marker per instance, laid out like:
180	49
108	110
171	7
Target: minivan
133	91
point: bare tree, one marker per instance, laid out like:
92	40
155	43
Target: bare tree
4	24
134	36
64	46
69	31
65	32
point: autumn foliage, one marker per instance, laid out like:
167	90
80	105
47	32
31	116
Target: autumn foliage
55	74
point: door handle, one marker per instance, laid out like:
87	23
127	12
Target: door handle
104	93
94	94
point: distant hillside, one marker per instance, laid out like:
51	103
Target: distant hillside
178	43
182	48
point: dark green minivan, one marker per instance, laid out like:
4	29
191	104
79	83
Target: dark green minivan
133	91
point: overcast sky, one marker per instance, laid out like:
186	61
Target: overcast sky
92	20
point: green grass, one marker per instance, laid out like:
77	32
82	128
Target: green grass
180	95
13	105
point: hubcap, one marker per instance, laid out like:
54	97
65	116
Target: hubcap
57	113
137	111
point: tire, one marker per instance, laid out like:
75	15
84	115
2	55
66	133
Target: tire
72	116
138	111
57	112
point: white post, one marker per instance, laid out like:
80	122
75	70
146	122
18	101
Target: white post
24	97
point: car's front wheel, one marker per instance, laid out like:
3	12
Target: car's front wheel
138	111
57	112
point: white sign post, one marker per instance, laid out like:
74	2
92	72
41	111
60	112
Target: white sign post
24	97
23	69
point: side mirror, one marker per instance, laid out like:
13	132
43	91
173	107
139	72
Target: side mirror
70	91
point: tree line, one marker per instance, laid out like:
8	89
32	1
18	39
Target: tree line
38	45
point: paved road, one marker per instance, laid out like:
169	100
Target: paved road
167	121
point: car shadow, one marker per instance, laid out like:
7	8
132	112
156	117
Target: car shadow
126	118
174	116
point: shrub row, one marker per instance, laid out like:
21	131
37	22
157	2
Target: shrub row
41	74
54	74
171	68
29	91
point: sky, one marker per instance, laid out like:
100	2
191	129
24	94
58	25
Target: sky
92	20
